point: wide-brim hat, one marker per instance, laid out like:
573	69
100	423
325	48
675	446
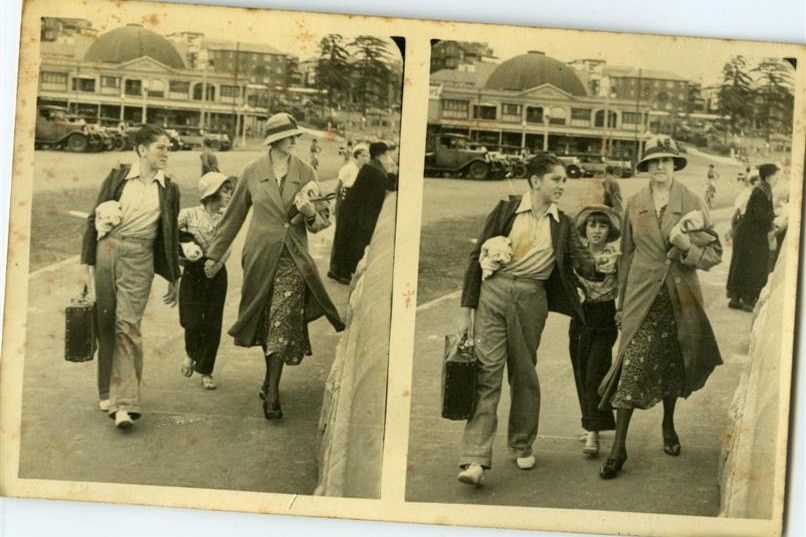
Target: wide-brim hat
615	220
281	126
662	148
210	183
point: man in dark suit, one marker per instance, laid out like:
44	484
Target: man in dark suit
121	262
506	299
359	213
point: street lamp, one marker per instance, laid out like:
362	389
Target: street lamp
145	85
546	118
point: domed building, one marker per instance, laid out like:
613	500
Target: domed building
131	42
534	102
533	70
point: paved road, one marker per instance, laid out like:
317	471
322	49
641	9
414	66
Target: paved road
652	482
187	437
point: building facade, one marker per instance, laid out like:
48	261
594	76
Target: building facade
537	103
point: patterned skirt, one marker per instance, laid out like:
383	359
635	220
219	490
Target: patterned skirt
283	330
653	366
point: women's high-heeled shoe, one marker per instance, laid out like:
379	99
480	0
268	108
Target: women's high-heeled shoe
272	411
612	467
671	443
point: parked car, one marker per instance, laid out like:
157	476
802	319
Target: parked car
592	164
573	166
195	136
620	167
130	128
107	139
54	128
455	154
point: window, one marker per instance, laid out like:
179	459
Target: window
669	84
156	88
631	118
452	108
50	80
229	92
581	117
558	116
133	87
86	85
534	114
177	86
483	111
510	109
110	82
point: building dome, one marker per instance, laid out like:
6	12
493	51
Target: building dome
535	69
130	42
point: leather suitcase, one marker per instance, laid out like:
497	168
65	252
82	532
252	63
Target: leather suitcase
458	379
79	335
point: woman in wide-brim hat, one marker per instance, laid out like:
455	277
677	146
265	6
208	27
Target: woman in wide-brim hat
667	347
282	291
591	342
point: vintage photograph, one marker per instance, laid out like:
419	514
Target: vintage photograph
212	234
604	261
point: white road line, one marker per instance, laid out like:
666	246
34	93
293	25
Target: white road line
78	214
438	301
55	266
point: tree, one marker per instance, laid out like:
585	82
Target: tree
333	69
372	74
774	99
736	94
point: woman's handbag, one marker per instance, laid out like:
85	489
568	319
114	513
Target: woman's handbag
459	378
79	333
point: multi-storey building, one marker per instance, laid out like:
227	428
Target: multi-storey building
453	54
536	102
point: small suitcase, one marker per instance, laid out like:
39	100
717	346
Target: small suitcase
79	334
458	379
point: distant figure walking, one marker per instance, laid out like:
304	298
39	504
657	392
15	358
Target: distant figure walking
710	186
315	150
208	159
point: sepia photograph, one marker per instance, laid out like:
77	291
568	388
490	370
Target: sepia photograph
212	235
266	266
604	262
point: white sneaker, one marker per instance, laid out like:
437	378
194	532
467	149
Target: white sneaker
104	405
526	463
123	420
472	475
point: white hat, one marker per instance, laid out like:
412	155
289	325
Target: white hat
210	183
281	126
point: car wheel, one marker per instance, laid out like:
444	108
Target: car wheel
618	171
215	145
519	170
573	171
77	143
477	170
119	144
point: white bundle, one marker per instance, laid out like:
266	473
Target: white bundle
108	215
495	253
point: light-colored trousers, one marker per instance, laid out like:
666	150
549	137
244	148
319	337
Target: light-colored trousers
124	271
509	321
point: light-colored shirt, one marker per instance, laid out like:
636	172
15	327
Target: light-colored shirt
348	174
140	203
202	225
532	251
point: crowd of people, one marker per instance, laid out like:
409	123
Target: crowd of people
137	230
613	268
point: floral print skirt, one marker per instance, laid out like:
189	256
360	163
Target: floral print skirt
653	360
284	332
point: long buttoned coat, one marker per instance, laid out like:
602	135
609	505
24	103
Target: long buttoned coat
269	232
648	262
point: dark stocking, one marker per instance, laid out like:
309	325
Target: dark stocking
619	449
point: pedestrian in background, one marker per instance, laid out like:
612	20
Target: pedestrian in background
315	150
360	210
668	348
208	159
201	298
591	341
734	288
121	266
281	291
505	304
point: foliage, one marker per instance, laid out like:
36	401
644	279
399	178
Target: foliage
774	99
736	93
332	68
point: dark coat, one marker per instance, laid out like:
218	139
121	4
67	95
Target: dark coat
648	261
270	231
358	215
569	252
166	244
749	265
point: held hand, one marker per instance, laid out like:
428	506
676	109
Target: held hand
466	326
214	270
210	268
605	263
172	296
305	206
88	279
618	319
680	239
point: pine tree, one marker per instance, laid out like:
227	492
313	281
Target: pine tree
333	69
774	98
372	73
736	93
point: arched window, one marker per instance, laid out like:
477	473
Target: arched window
559	116
598	120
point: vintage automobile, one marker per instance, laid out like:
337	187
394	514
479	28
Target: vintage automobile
620	167
54	128
455	154
130	128
194	137
572	165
